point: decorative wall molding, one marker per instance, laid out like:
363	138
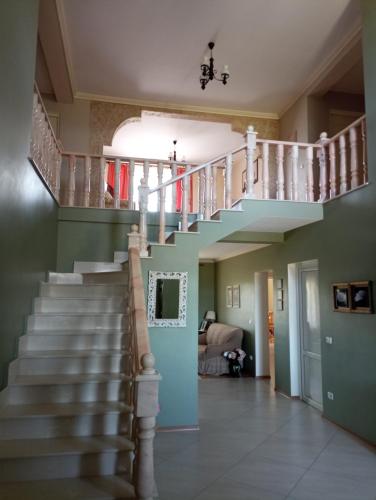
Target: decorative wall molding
174	106
181	321
344	47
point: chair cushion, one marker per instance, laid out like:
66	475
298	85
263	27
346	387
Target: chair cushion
218	333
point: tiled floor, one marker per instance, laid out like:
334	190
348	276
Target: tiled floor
255	444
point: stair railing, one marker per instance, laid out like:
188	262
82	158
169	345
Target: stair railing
145	379
45	152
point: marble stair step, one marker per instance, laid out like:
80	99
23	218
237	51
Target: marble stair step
68	362
89	290
51	420
64	278
95	267
79	305
68	340
34	459
80	388
76	321
88	488
118	277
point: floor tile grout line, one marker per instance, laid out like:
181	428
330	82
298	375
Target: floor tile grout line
314	461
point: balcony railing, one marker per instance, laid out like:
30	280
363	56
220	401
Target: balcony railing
260	169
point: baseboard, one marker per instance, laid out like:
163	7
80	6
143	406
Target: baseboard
179	428
283	393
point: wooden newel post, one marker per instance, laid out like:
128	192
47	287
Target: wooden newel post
146	410
251	148
323	167
134	237
143	191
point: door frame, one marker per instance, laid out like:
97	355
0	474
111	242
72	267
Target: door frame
295	326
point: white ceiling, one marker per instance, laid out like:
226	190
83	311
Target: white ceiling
152	136
152	50
222	251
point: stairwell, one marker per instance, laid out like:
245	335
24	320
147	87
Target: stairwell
66	415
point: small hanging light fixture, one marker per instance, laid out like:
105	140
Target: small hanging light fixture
209	73
172	156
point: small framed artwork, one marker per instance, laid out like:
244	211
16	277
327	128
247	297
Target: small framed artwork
279	294
361	297
236	296
228	296
341	297
279	305
279	284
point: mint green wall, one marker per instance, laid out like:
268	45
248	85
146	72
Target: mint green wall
206	290
93	234
345	245
27	211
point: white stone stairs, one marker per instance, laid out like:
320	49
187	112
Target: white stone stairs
64	423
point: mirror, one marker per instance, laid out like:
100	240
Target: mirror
167	296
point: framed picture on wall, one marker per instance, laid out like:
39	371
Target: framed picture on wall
228	296
361	297
256	168
341	297
236	296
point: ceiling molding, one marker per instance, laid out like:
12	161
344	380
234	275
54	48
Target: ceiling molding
328	64
173	106
66	43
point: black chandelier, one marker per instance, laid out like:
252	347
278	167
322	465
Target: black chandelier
209	73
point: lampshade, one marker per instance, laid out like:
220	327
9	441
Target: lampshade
210	315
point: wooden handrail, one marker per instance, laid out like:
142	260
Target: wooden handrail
137	309
353	124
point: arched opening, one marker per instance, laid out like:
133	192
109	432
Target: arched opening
151	137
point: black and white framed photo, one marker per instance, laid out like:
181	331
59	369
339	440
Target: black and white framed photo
341	297
361	297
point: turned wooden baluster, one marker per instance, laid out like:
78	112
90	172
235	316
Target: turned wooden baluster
162	215
294	173
71	180
333	173
343	164
207	203
323	167
364	151
146	172
201	194
354	167
143	191
310	190
228	182
185	201
251	148
58	163
102	172
173	187
160	180
130	185
280	173
117	183
214	189
265	171
87	181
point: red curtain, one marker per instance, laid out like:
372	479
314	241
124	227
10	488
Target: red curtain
124	179
179	190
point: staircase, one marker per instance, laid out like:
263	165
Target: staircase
66	415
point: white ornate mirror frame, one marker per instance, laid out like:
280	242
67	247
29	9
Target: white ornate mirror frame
181	320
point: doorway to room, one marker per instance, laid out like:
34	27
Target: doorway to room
304	332
264	326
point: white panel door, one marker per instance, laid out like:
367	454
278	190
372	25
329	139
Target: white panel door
310	337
